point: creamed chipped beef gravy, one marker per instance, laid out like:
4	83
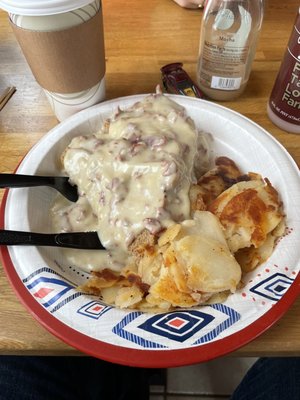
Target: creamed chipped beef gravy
133	174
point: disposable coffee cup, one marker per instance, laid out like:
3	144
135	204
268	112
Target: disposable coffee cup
63	43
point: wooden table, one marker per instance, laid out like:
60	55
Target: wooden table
140	37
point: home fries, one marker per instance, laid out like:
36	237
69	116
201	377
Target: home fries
179	227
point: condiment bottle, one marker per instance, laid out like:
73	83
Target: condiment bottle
229	34
284	103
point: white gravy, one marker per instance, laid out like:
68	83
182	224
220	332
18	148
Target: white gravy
134	174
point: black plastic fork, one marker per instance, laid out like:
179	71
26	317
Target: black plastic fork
60	183
74	240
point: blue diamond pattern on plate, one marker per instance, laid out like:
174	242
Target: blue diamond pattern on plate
178	325
93	309
273	287
177	328
50	289
47	287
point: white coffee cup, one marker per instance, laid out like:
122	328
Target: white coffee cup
55	16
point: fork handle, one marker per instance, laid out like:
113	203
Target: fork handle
18	181
74	240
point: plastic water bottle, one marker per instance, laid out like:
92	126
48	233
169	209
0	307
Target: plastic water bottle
229	34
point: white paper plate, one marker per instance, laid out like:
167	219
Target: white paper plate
46	283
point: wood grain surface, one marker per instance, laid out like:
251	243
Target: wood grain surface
140	37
